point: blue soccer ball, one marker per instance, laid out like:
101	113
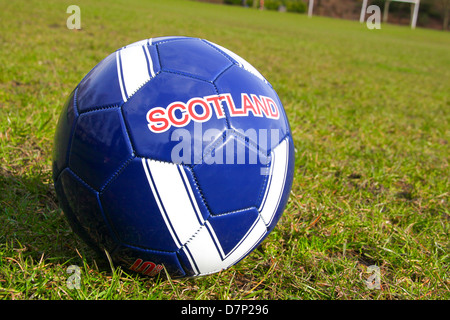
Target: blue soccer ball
174	153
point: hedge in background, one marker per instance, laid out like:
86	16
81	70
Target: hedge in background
298	6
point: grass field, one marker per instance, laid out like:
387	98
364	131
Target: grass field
370	115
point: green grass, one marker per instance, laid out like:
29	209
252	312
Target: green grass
369	111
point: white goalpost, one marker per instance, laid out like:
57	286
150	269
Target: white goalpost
310	8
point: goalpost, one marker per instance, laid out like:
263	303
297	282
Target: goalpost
310	8
414	10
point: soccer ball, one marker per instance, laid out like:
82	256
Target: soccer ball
174	153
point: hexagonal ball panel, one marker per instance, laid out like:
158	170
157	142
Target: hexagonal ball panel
99	146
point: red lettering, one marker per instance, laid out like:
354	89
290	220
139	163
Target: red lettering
261	105
171	114
273	108
154	271
215	100
199	109
136	264
232	107
148	268
157	123
249	105
206	115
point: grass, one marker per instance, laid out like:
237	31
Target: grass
369	111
